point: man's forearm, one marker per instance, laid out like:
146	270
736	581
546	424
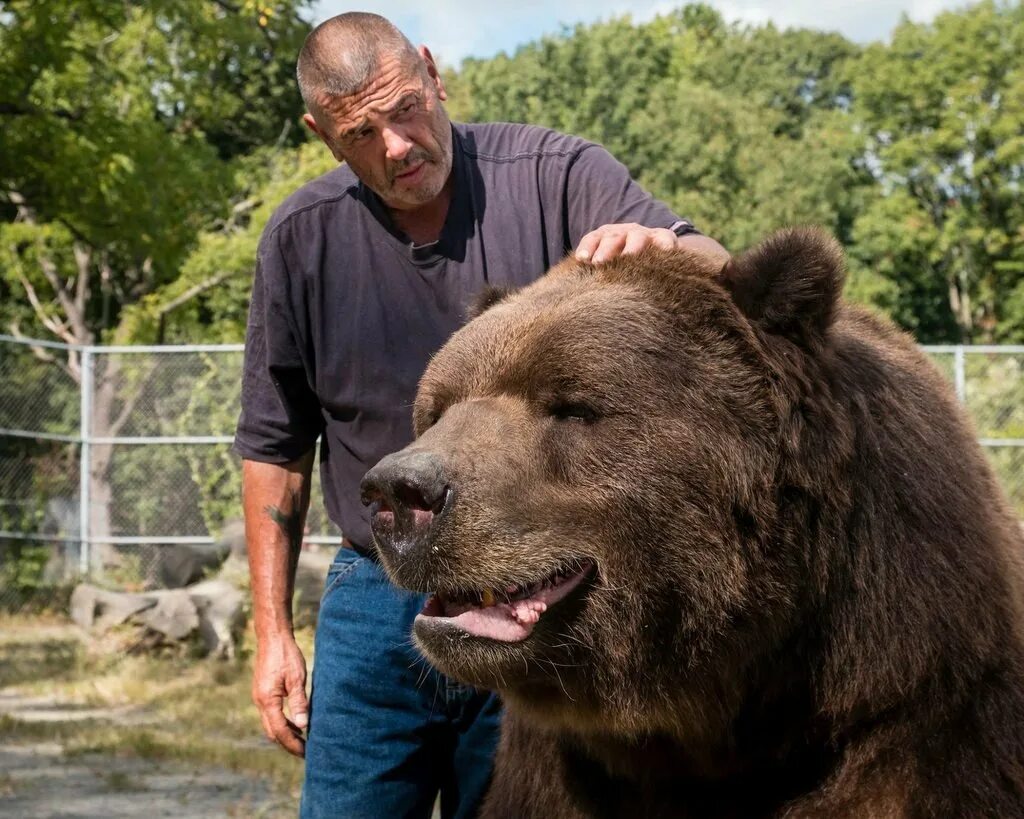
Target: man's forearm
275	500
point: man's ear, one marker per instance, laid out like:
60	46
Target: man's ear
433	72
310	123
789	285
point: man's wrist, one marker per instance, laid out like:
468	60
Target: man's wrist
273	625
704	246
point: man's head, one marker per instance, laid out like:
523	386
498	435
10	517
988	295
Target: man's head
375	101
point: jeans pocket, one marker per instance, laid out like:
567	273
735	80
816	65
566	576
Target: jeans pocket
344	563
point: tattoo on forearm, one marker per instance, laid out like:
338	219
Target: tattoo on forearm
290	523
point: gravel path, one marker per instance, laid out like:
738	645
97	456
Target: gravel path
38	781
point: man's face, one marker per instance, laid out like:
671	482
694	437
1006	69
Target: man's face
394	133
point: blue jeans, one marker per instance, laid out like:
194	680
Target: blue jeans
387	732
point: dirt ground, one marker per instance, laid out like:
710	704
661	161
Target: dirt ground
87	739
39	781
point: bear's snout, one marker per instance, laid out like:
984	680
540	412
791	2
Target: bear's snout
405	491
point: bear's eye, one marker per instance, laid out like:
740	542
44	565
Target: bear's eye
573	411
432	416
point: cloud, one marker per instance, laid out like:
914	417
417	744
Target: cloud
863	20
459	28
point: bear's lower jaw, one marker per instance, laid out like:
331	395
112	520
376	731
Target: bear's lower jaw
510	620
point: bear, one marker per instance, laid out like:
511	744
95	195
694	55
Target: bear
725	545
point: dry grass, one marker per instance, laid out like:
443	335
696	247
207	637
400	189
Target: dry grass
6	785
173	706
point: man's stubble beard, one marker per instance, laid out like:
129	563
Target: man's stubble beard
439	164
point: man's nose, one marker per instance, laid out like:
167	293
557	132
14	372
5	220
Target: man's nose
396	143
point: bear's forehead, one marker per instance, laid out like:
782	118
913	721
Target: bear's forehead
569	315
559	332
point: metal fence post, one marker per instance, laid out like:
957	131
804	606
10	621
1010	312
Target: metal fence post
959	373
84	556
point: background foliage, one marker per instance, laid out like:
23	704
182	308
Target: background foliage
143	146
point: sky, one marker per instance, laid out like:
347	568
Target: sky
454	29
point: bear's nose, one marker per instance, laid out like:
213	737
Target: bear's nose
404	491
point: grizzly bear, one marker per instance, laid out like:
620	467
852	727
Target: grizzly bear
726	547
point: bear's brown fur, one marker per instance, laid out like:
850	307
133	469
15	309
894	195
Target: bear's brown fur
801	587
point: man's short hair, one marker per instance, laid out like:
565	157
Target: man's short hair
342	54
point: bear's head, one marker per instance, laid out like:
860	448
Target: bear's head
593	496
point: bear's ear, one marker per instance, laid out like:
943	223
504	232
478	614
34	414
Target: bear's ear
487	298
790	284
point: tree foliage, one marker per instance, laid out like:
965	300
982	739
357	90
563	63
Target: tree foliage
911	152
123	127
943	110
120	126
144	146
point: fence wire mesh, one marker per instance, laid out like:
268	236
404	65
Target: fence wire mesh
115	462
39	389
990	383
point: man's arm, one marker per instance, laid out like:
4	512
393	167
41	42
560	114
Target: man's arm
275	498
611	215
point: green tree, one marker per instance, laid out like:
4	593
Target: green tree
744	129
943	107
120	127
188	308
118	121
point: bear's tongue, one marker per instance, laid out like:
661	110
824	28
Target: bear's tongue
506	621
509	622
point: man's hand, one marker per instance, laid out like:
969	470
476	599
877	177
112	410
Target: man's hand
609	241
279	677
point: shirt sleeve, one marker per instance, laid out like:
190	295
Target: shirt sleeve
280	418
600	191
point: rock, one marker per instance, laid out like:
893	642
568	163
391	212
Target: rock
98	609
174	614
216	608
221	610
179	565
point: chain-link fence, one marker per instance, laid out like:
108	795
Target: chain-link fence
114	459
116	463
989	381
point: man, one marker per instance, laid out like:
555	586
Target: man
361	276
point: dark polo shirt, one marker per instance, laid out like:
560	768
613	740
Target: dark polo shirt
346	311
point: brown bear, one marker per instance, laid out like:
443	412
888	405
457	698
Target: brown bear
726	547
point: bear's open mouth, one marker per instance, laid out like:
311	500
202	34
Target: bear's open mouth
508	615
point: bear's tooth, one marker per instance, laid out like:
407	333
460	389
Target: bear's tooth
487	598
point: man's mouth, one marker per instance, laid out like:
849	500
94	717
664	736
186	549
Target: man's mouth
509	614
411	173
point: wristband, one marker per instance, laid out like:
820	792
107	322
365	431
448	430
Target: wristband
684	228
